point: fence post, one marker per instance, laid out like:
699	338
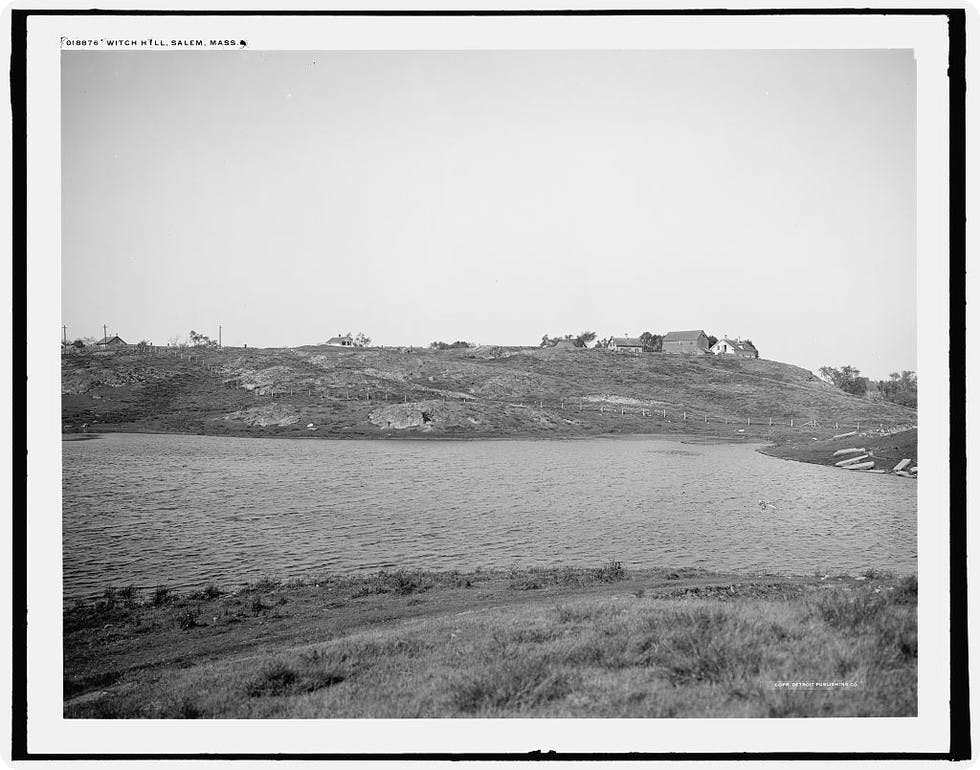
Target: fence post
706	418
791	422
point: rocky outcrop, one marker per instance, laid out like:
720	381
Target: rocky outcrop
266	416
416	414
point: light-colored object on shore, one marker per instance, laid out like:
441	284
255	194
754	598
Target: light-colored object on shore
914	469
850	460
906	474
851	451
901	465
845	435
861	466
877	470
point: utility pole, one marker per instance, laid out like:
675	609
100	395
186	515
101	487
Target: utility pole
64	334
105	334
219	335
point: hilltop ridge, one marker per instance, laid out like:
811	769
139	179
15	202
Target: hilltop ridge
477	392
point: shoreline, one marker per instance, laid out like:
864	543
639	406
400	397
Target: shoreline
684	438
562	641
577	574
890	448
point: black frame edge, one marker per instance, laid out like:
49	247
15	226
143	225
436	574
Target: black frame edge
18	352
960	747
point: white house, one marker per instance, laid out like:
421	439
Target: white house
345	341
736	347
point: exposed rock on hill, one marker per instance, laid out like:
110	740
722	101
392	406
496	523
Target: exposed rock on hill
264	416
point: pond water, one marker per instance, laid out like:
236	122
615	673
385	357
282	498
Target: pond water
183	511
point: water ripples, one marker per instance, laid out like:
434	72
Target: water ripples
186	510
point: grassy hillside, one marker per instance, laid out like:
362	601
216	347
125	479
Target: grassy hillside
557	642
320	391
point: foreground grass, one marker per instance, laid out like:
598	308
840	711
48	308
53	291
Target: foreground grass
525	643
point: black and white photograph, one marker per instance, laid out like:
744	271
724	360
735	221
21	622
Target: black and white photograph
487	382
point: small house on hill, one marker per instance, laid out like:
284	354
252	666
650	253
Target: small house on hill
564	345
626	344
345	341
736	347
692	342
108	343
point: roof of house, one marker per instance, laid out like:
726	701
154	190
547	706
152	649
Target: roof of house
688	336
110	340
740	345
564	344
339	339
627	342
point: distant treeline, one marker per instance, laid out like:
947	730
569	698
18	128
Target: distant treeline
440	345
900	388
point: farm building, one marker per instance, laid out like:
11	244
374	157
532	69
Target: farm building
108	343
736	347
345	341
626	344
564	345
693	342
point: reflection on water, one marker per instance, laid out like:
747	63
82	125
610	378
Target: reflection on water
186	510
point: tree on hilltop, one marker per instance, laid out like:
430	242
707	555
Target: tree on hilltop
199	340
440	345
847	378
652	343
581	340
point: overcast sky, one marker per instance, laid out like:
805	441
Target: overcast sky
494	197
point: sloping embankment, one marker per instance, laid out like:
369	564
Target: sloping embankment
484	392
